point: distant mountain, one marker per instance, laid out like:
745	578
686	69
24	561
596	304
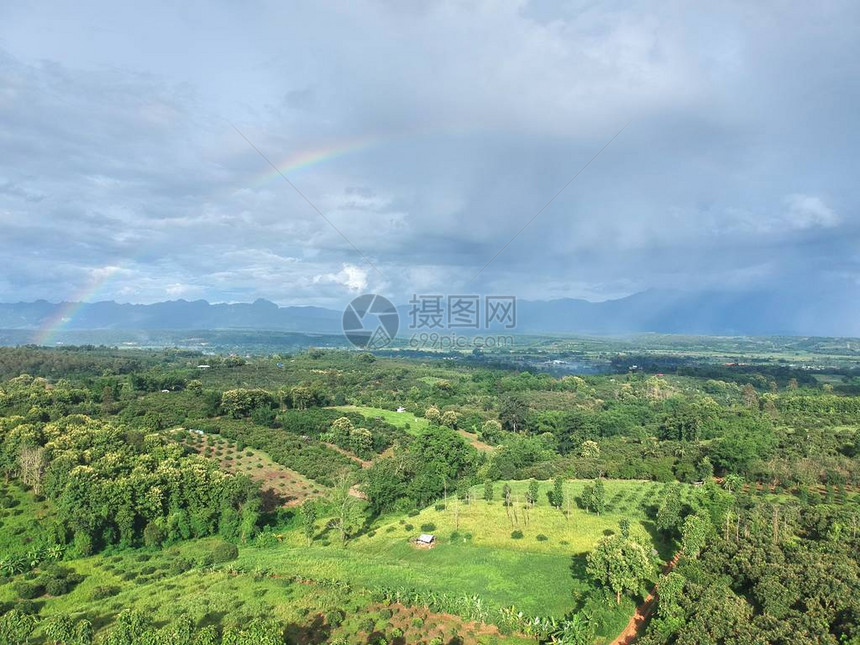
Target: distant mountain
824	313
723	313
173	315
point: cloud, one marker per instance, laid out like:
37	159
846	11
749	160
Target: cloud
352	277
447	126
808	211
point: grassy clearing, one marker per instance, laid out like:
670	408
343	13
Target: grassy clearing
403	420
536	583
281	486
545	529
543	572
408	422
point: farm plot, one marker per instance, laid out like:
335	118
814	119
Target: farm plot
281	486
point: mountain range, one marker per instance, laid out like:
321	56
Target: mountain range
662	311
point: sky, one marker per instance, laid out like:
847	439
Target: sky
419	139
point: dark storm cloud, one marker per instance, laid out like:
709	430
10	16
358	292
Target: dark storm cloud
453	124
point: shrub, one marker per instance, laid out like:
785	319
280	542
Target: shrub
225	552
413	513
180	565
28	607
517	535
335	617
541	537
408	527
206	560
103	591
429	527
153	535
28	590
440	506
57	586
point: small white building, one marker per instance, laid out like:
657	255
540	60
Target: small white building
401	409
426	539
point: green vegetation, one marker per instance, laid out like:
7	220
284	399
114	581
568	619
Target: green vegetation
279	498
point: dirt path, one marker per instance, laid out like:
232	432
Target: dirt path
643	611
362	462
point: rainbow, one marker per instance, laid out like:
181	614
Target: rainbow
68	310
312	157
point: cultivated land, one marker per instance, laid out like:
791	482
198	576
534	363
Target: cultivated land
280	485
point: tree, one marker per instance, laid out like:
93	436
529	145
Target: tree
556	496
513	413
301	397
704	469
385	482
669	511
533	491
594	497
308	511
589	449
16	627
153	534
32	464
59	630
488	490
694	534
349	512
437	457
84	633
750	396
599	497
733	482
361	441
670	588
340	430
491	432
450	419
433	415
620	564
749	439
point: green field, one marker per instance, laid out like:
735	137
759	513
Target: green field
538	576
397	419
